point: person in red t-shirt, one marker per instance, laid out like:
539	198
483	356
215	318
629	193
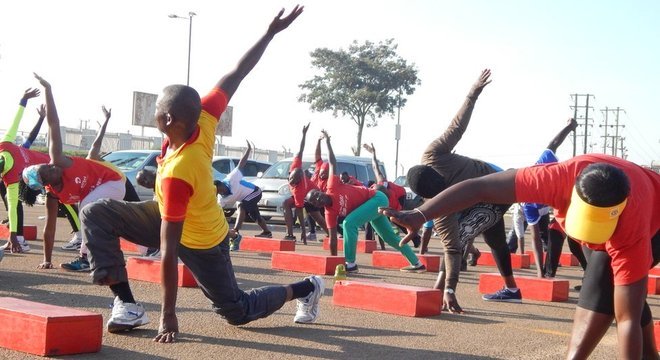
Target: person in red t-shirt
300	185
70	180
612	207
358	205
395	193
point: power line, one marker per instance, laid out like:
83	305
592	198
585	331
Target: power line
587	120
615	138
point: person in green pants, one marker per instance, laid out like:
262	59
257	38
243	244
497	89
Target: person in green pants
358	205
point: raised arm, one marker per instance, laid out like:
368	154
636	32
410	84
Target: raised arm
230	82
448	140
57	157
41	110
380	178
302	141
317	152
246	155
332	161
10	135
95	150
561	136
497	188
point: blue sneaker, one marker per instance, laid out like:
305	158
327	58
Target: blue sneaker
236	243
77	264
504	295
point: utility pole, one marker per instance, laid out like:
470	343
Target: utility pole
622	150
615	138
586	118
606	112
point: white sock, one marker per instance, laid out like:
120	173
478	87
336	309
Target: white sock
513	289
350	264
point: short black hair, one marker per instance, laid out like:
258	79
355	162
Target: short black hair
602	184
182	101
425	181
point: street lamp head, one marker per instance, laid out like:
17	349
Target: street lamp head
191	14
172	16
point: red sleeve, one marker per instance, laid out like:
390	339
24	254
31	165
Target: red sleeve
215	102
548	184
295	164
176	195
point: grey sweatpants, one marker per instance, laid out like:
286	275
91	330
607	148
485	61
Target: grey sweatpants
104	221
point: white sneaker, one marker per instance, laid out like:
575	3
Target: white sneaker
73	244
25	247
308	307
126	316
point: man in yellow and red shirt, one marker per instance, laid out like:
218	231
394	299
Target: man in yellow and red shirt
612	207
186	221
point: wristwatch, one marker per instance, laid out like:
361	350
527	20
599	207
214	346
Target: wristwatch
449	291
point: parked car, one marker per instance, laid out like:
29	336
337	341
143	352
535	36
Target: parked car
130	162
275	186
412	200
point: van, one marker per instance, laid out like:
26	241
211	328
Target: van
274	182
130	162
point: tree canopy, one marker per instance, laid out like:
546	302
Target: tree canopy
365	82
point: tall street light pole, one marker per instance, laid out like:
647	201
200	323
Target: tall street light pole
189	18
397	137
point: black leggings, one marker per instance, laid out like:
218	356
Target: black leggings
495	238
555	244
597	293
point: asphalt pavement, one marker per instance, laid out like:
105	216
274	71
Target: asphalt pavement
531	330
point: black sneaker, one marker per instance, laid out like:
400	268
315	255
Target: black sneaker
419	268
265	234
352	269
504	295
290	237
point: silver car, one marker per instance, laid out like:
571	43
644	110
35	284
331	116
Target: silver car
274	182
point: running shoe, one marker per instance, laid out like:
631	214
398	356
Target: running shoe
308	307
504	295
78	264
126	316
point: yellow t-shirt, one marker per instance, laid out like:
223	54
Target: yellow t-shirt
184	182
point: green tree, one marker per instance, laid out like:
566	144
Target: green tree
365	82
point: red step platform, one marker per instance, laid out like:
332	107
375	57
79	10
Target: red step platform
655	271
532	288
656	331
518	261
250	243
363	246
306	263
29	232
565	259
396	260
127	246
654	285
387	298
48	330
148	269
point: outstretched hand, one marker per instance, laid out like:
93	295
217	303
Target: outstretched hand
31	93
106	112
42	81
278	24
483	80
305	128
324	135
369	148
41	110
572	123
249	147
169	327
412	220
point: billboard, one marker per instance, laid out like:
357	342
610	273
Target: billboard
144	108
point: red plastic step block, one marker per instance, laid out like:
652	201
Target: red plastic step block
249	243
565	259
387	298
306	263
363	246
518	261
29	232
654	285
532	288
656	331
148	269
396	260
127	246
48	330
655	271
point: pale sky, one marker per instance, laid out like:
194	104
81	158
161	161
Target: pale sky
97	53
